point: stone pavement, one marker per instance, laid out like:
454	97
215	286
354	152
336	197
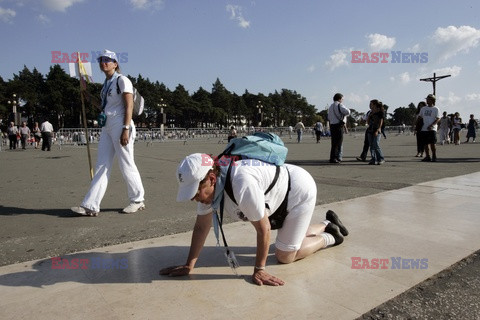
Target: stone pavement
436	221
419	230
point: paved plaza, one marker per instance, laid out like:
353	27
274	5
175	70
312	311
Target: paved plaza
403	209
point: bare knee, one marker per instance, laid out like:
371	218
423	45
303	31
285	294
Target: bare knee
285	256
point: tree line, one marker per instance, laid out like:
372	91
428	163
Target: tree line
56	97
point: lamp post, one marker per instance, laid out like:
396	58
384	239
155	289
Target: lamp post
163	119
13	102
259	107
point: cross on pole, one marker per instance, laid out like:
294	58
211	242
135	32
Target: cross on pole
434	80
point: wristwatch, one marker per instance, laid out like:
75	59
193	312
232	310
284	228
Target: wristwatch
126	127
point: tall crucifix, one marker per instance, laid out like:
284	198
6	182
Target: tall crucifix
434	80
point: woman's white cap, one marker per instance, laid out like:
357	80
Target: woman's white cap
108	54
190	172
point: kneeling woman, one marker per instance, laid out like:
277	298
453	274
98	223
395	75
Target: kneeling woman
257	198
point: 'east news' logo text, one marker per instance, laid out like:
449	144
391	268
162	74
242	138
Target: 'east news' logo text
395	57
392	263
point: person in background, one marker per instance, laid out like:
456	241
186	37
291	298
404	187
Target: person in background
318	128
47	134
12	132
418	129
456	127
366	146
336	117
37	134
374	131
232	133
24	134
443	129
116	140
471	127
299	128
430	116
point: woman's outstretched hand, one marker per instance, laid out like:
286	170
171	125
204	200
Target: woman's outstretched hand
175	271
261	277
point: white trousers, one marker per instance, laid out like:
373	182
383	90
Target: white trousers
109	147
301	204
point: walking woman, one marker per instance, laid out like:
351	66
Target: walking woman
418	129
374	131
457	127
471	127
37	134
116	139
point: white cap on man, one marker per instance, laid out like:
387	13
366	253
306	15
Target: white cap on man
190	172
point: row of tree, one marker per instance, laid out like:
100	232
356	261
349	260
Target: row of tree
56	97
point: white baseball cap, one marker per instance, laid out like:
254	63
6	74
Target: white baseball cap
190	172
108	54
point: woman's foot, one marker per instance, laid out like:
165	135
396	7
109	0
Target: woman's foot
84	211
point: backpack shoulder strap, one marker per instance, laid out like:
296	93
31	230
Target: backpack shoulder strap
118	87
277	174
229	189
228	185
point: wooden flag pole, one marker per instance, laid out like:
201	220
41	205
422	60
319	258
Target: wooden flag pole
84	116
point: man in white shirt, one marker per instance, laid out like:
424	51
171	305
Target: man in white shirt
299	127
430	115
47	133
336	116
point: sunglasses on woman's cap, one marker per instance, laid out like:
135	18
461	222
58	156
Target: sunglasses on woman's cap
105	59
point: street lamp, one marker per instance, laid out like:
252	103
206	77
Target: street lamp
259	107
14	108
163	116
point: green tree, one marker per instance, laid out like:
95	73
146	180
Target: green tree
185	110
30	89
221	102
404	115
202	100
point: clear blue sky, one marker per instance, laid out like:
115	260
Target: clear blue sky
263	45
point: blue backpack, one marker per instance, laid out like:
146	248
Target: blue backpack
267	147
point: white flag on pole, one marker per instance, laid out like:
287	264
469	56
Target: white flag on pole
74	72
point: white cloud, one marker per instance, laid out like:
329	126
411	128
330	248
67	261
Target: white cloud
237	15
354	99
337	59
43	19
453	71
403	78
6	15
451	100
473	97
59	5
415	48
379	42
148	4
455	40
311	68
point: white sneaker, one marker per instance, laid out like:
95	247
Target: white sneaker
84	211
134	207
